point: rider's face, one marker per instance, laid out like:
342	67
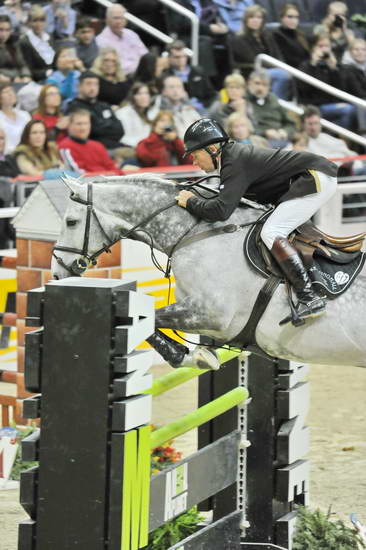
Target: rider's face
202	159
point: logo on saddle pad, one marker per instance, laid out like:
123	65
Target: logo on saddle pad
341	277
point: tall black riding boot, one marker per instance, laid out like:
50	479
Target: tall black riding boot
309	303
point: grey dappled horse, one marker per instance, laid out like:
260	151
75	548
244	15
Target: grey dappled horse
215	287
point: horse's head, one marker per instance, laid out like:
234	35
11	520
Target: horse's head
77	242
100	213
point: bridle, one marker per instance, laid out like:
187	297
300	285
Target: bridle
81	264
78	266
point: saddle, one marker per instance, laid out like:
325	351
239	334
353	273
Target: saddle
332	262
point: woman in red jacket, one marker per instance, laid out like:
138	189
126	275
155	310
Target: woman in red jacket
162	147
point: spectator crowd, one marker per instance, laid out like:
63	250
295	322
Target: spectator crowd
84	92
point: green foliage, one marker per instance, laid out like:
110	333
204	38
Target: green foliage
19	466
315	531
173	531
359	19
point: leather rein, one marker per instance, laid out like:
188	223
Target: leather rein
81	264
78	266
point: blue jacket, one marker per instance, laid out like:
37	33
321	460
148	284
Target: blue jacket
232	14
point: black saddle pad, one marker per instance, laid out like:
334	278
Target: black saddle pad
328	277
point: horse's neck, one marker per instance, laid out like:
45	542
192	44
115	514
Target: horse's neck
125	207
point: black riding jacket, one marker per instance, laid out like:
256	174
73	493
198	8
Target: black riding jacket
263	175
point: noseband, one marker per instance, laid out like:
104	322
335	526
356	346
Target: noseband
78	266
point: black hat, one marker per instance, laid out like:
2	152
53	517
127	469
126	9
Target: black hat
87	74
203	132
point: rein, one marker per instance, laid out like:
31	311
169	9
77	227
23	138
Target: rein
78	266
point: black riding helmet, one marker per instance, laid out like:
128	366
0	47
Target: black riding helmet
202	133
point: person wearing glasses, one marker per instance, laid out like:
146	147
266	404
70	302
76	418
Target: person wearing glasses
291	41
35	45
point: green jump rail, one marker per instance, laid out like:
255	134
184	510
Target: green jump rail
183	374
200	416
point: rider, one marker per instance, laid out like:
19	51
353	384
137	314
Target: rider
296	183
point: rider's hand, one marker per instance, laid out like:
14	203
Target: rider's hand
183	197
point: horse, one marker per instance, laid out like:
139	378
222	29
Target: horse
216	288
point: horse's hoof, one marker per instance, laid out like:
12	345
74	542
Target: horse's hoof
204	358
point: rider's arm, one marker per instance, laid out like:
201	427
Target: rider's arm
235	179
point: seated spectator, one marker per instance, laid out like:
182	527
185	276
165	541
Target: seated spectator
82	153
127	43
240	129
153	13
35	45
12	120
231	12
136	115
272	120
17	11
214	54
292	43
300	142
335	25
323	65
113	84
60	20
326	145
232	100
86	46
163	147
8	169
354	63
8	165
49	112
35	155
254	39
66	73
196	82
105	126
150	69
174	98
13	67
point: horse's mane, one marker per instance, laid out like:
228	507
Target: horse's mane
149	178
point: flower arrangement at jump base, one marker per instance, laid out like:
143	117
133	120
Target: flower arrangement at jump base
182	526
163	456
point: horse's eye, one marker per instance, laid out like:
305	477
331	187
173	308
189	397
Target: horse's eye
70	223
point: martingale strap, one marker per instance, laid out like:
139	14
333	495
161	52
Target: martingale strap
246	337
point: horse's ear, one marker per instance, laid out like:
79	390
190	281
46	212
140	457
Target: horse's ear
69	182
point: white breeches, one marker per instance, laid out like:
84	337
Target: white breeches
290	214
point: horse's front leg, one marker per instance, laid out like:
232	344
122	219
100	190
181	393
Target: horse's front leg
191	316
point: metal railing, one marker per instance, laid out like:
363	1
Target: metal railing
195	23
289	106
345	96
163	37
